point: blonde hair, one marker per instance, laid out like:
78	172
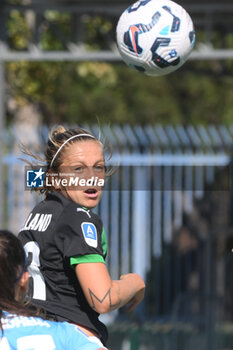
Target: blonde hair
60	137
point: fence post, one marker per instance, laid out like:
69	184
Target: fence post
2	117
210	294
141	240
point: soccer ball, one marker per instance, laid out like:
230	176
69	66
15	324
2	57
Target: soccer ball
155	37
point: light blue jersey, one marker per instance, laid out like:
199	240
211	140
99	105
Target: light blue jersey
34	333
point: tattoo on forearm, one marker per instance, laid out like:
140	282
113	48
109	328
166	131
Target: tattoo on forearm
94	298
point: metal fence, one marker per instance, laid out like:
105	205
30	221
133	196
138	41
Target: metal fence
166	211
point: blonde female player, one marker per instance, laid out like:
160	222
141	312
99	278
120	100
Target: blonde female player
66	241
21	328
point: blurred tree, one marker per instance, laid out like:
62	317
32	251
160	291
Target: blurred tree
199	92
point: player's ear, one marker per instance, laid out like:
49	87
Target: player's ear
23	282
21	287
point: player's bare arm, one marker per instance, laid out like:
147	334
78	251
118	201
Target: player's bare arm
104	294
107	298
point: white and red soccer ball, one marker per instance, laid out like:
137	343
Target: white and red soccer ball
155	36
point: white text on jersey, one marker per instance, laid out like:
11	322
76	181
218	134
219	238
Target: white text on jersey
21	321
38	222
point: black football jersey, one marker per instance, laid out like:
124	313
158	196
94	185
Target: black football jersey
58	234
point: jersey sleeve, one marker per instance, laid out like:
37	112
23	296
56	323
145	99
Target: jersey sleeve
92	258
80	235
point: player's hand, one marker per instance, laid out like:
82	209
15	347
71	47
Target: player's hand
133	303
140	290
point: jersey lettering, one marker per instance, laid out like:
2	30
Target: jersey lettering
21	321
39	290
39	222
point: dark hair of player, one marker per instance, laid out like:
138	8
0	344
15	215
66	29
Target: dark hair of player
12	267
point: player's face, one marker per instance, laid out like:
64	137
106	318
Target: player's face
83	161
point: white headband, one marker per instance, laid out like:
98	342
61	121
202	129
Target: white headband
72	137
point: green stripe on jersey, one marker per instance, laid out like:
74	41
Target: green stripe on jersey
90	258
104	242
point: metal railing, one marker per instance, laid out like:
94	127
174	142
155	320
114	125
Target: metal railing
152	209
208	18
